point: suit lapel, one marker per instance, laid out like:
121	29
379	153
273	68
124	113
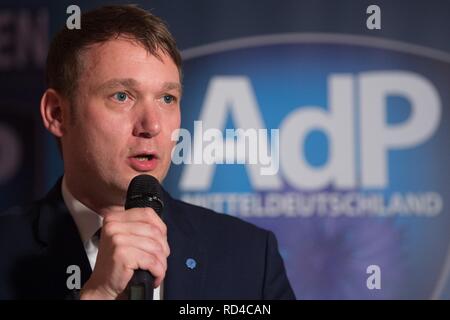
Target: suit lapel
187	262
64	248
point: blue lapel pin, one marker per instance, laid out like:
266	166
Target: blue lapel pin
191	263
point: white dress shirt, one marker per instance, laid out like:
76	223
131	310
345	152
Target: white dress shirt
88	222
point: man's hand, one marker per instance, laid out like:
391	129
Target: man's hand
130	240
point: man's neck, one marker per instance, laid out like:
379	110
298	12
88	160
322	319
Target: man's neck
92	198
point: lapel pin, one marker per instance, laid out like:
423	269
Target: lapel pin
191	263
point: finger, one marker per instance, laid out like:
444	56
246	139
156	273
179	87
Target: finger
156	246
148	262
144	230
144	215
135	228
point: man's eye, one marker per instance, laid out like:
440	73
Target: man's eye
168	98
121	96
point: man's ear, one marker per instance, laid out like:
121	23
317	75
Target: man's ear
52	112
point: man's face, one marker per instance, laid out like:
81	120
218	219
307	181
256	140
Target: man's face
124	112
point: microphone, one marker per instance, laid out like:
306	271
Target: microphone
144	191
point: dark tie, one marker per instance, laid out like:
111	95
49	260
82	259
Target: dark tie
96	236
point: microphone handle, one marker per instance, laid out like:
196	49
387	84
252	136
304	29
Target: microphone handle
141	285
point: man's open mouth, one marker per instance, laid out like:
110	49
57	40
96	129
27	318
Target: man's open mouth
144	162
145	157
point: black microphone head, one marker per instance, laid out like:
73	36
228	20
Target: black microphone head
144	191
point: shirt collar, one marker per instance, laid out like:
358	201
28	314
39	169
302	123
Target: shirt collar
87	221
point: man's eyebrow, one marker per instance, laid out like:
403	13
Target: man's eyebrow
132	83
171	86
114	83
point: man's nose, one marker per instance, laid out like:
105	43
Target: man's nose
148	123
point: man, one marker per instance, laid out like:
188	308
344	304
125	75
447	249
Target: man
113	102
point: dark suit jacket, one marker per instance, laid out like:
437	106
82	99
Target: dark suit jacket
234	259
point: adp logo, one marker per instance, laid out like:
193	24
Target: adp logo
363	156
235	96
360	125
